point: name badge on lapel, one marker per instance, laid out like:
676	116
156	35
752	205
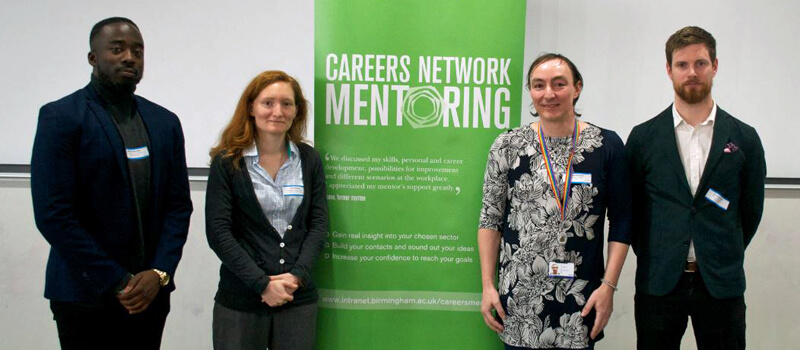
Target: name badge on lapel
137	153
718	199
293	190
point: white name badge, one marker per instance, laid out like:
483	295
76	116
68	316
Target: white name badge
293	190
582	178
561	270
718	199
137	153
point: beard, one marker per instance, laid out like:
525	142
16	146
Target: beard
111	79
693	95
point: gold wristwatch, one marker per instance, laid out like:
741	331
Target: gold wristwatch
163	277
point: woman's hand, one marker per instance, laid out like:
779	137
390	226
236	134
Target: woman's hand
278	292
489	302
288	277
602	300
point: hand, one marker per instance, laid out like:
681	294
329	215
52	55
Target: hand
288	277
489	302
276	293
602	300
140	291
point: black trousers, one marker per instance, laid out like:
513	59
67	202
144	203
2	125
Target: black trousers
717	323
107	325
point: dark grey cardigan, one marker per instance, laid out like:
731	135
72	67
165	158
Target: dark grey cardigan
248	245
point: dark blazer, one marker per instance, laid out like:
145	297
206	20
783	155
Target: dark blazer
250	248
667	215
82	198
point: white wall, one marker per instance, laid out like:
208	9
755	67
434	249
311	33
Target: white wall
200	55
26	321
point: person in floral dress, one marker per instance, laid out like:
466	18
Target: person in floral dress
548	189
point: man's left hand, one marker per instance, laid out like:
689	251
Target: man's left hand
602	300
140	291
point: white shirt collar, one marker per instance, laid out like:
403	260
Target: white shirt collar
252	151
677	120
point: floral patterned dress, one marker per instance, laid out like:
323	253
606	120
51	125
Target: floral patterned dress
544	312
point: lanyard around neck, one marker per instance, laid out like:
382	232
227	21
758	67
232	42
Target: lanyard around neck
562	197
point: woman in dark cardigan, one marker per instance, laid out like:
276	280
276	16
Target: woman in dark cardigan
266	219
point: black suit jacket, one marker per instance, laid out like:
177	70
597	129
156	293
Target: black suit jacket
667	216
82	197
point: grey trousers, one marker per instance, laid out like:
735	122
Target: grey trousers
287	329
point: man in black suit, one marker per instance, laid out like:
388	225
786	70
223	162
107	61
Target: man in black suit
698	181
111	196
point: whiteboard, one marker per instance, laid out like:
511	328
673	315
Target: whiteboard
618	46
199	56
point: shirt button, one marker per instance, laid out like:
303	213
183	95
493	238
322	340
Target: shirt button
281	261
288	227
282	244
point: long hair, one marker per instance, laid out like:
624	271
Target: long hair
241	131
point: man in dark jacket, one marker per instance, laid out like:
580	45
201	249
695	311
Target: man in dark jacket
111	196
698	178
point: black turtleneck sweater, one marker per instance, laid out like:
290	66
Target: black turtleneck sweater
119	102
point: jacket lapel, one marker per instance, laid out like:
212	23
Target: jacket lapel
671	150
117	147
718	142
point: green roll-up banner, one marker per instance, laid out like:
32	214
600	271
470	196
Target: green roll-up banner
409	95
